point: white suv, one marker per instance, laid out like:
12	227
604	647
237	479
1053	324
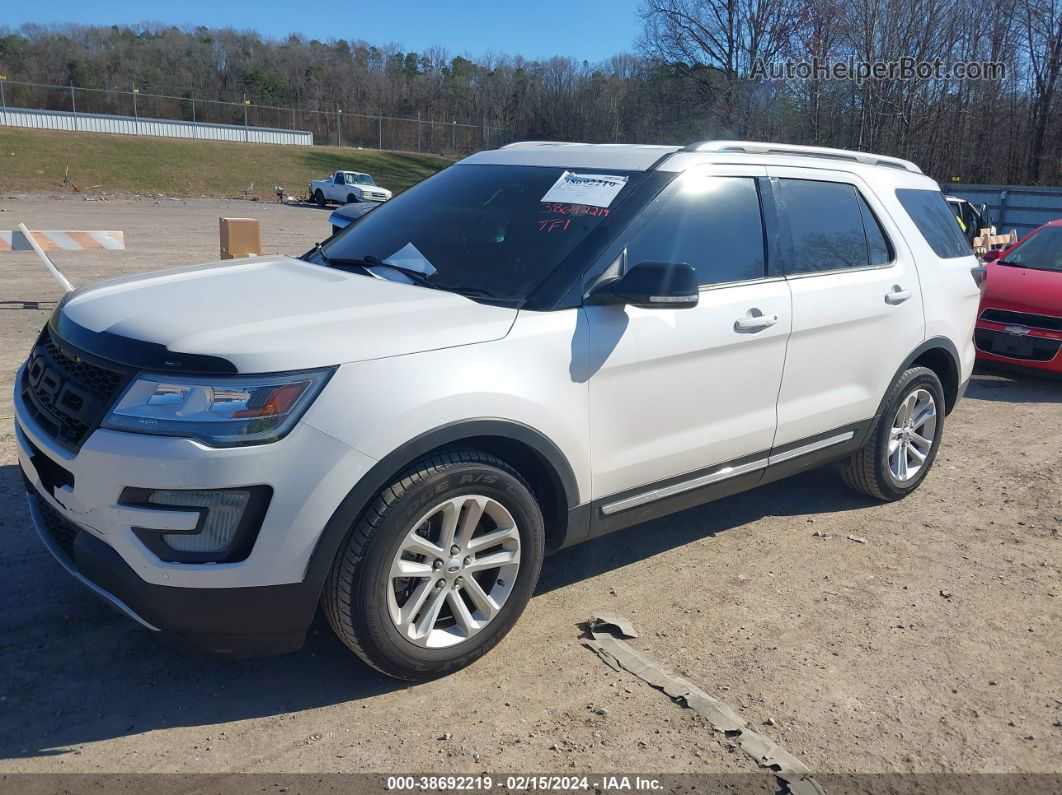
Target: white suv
536	346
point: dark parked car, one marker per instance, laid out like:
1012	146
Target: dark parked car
343	216
971	217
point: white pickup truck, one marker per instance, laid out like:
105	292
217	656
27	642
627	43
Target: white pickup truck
345	187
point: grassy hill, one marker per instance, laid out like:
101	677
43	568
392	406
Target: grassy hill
37	160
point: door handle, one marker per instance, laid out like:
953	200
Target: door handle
754	321
897	295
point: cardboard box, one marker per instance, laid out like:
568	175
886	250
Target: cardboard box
240	237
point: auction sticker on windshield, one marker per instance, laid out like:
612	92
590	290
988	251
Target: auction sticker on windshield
596	190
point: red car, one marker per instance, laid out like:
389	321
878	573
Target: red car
1020	320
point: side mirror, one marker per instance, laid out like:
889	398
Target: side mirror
992	256
651	285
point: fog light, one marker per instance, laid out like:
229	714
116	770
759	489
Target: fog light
226	529
224	511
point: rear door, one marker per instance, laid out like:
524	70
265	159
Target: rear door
857	302
674	392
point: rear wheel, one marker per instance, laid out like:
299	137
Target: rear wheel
903	441
318	196
439	567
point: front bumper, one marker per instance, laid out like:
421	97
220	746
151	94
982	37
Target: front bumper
261	604
1029	348
235	622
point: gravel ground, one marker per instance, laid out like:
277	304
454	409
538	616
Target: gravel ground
932	647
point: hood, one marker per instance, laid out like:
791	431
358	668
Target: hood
275	313
1023	289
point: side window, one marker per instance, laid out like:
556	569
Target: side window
825	225
879	252
935	221
340	180
712	223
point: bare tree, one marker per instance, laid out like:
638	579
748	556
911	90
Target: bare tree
1042	26
694	78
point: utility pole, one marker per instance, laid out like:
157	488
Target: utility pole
3	101
379	123
418	130
136	116
195	125
73	103
453	136
339	126
246	133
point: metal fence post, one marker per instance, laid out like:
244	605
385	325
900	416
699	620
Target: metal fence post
246	132
73	104
339	126
3	100
136	116
379	123
418	130
453	136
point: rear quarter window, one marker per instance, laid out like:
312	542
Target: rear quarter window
935	220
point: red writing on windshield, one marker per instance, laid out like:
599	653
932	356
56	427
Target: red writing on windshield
573	209
553	224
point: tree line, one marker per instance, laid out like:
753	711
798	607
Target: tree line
698	73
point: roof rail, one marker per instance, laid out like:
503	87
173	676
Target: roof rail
755	147
533	144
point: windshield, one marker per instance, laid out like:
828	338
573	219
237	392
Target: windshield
1042	251
360	179
495	231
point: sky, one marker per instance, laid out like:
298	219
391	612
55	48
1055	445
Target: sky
585	29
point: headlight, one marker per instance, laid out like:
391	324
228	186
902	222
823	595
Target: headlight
221	412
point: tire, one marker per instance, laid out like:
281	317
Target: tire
318	196
872	468
351	198
361	596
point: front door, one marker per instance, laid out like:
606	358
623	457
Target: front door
676	392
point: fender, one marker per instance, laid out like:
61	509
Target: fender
385	470
933	343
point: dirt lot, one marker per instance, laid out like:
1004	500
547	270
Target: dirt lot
934	646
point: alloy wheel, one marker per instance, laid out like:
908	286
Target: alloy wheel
453	571
911	435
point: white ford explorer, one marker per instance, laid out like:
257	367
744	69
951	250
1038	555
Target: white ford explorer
536	346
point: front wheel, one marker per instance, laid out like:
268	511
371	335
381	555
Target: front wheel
439	567
319	197
903	442
351	198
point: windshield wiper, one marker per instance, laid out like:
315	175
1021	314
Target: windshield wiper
369	261
1047	268
418	277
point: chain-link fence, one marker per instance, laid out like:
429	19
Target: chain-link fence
339	127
